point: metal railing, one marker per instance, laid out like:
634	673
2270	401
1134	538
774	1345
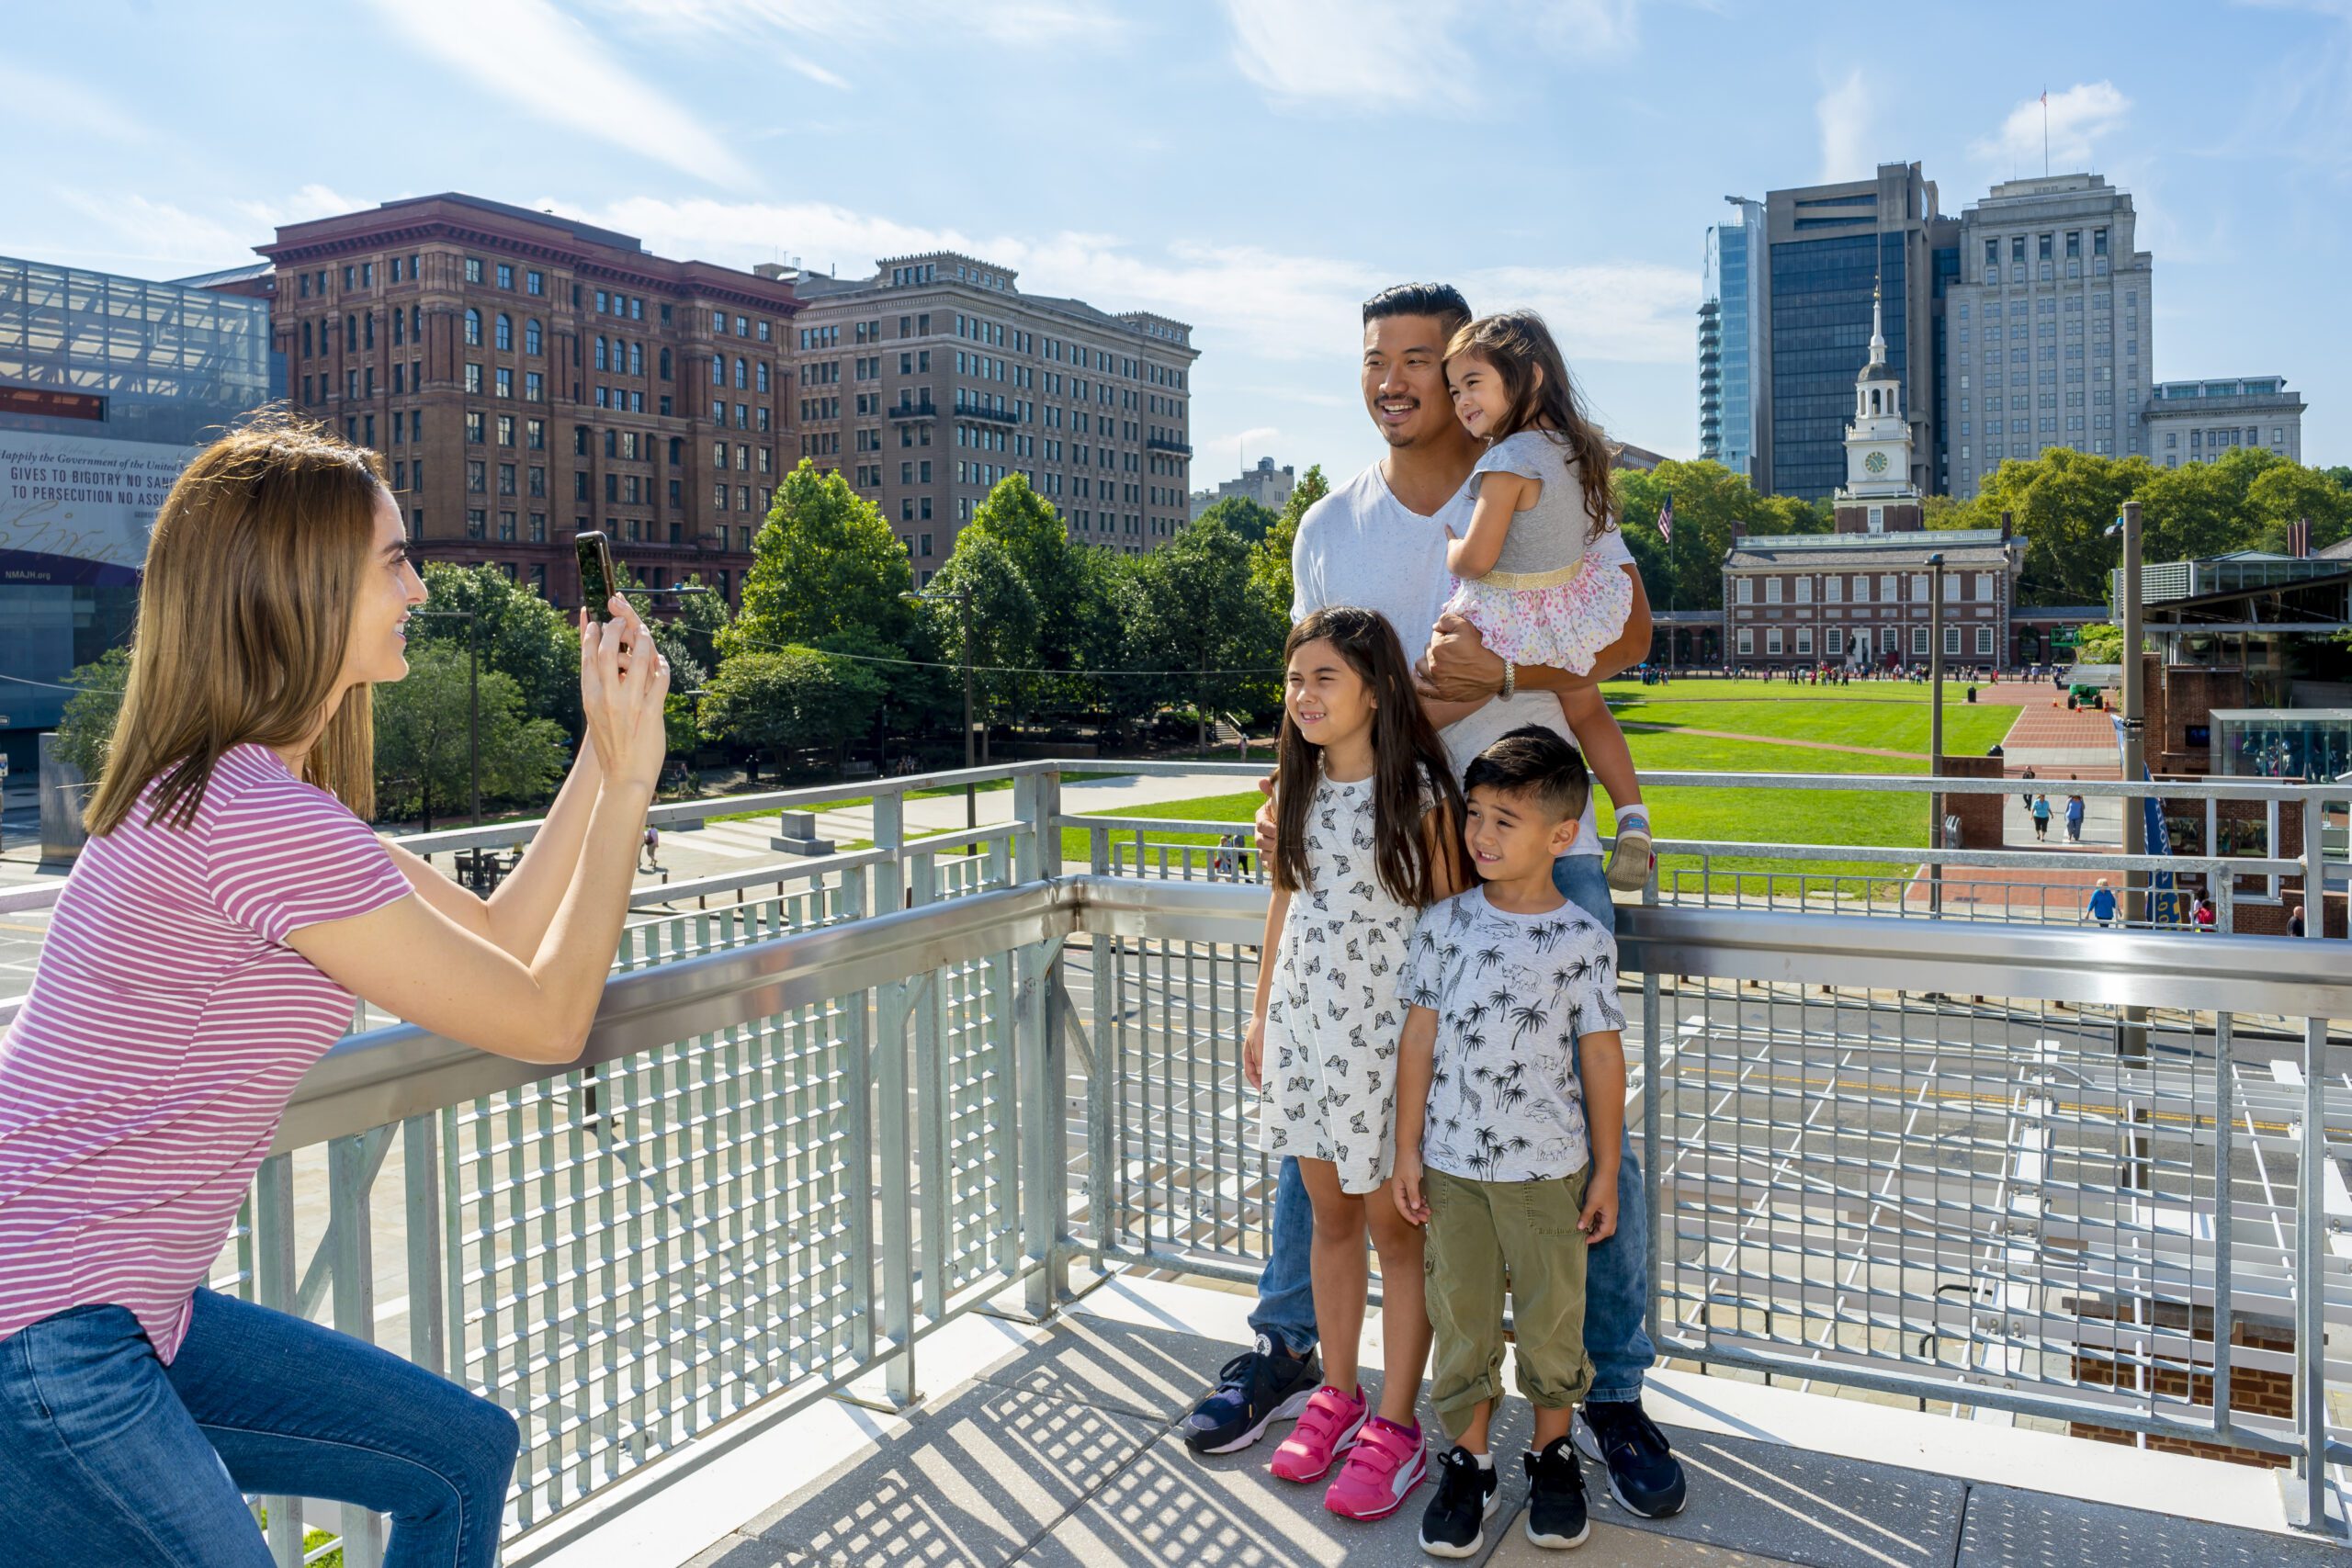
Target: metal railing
2081	1177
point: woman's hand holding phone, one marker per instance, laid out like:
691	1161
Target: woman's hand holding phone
624	680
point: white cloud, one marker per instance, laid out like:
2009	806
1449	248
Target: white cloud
1378	55
1638	314
1219	457
1845	112
1285	306
2077	117
572	79
2301	108
833	24
46	107
164	238
1274	305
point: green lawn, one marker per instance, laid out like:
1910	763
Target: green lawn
1239	807
1834	717
1892	717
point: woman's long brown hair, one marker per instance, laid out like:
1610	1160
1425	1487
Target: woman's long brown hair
1518	346
1409	762
244	613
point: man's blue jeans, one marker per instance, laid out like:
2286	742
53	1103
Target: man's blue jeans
1616	1272
108	1456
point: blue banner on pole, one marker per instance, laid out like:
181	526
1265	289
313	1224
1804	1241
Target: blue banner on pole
2164	900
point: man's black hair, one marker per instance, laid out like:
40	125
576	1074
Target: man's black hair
1533	760
1439	299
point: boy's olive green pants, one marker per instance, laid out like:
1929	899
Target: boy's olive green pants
1480	1233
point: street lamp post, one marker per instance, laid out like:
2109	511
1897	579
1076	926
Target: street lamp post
2132	1034
963	597
1936	726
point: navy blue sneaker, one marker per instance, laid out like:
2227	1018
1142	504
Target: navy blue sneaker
1644	1475
1256	1389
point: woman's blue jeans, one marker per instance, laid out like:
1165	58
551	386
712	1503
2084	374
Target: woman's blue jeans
109	1457
1617	1284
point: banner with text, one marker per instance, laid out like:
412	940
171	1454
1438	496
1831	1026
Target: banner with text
78	510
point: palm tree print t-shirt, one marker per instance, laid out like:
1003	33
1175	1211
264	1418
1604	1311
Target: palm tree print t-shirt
1512	993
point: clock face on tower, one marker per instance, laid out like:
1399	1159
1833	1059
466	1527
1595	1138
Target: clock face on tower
1875	462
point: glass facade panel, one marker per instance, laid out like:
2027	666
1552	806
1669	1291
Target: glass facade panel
1821	333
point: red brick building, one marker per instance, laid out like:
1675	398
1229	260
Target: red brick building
526	376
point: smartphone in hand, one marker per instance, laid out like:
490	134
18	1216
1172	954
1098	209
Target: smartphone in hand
596	574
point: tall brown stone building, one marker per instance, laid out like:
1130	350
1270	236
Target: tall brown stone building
929	381
526	376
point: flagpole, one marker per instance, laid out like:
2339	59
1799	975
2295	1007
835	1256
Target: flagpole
2045	133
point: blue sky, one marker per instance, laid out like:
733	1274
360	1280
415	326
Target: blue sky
1255	167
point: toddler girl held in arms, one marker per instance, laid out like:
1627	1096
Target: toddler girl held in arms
1523	576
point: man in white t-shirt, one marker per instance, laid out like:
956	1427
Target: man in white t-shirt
1379	542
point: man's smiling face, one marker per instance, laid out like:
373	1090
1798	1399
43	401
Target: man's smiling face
1404	379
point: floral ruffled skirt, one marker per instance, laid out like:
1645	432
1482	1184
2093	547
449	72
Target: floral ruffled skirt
1564	625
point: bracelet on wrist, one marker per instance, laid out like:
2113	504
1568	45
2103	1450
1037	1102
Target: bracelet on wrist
1510	679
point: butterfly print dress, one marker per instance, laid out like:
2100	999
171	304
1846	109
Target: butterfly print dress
1333	1016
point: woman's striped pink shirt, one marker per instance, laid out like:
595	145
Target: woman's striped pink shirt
167	1027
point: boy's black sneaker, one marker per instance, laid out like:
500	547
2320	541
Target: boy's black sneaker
1454	1524
1255	1389
1644	1475
1555	1512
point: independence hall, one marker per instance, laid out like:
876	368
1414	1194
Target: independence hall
526	376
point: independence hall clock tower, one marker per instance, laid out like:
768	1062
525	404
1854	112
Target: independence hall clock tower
1878	496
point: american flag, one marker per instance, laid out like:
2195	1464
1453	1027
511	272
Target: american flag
1666	519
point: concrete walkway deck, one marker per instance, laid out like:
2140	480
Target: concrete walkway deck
1061	1451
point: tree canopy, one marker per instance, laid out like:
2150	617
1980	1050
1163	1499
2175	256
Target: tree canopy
789	700
423	755
1244	517
1269	557
522	636
824	562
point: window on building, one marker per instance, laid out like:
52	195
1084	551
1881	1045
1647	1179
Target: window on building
1747	594
1772	641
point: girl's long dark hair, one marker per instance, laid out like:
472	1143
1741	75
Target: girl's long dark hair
1518	345
1409	764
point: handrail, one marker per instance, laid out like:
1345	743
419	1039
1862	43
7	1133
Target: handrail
509	835
387	1075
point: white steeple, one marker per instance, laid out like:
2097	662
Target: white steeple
1878	443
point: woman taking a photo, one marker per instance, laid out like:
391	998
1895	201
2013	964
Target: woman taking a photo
230	903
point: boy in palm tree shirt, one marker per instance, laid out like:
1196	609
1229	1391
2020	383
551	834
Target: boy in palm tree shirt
1511	1106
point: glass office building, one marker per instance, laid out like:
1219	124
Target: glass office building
1730	313
1821	336
106	383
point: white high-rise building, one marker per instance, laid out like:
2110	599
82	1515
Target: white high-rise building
2050	327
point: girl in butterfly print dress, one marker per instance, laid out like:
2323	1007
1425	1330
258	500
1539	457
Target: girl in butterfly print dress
1368	814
